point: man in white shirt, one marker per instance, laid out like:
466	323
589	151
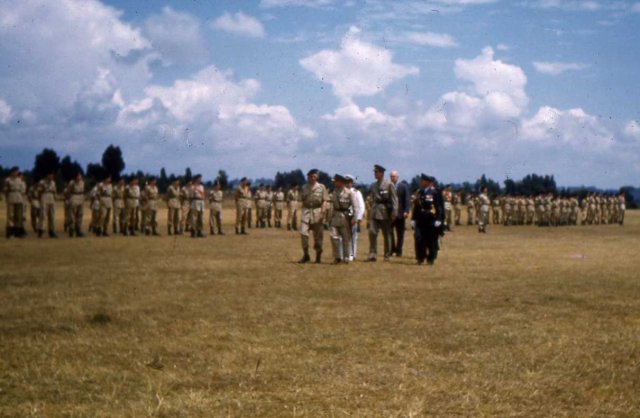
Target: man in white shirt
358	213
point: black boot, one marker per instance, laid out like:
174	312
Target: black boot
132	231
193	233
220	231
70	231
154	231
211	231
318	256
98	231
79	233
201	235
40	233
52	234
288	227
243	232
237	231
305	257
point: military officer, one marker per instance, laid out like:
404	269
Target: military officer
13	196
384	208
197	207
342	220
262	204
398	224
151	196
622	207
119	212
132	201
47	191
293	196
426	220
278	204
215	209
185	209
173	207
105	193
457	207
76	190
483	213
314	197
242	197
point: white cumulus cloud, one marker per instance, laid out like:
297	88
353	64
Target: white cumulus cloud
240	24
5	112
358	69
632	130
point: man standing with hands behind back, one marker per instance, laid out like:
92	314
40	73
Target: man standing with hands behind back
404	207
384	208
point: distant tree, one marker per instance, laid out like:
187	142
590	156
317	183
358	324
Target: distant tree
46	162
630	194
187	175
325	179
69	169
223	179
163	181
491	185
510	187
286	179
112	161
95	174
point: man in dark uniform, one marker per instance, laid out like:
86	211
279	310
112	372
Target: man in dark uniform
404	207
427	220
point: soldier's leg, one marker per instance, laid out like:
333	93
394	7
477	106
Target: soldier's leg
373	238
105	215
35	218
334	233
386	232
318	233
304	241
346	242
212	216
9	222
420	247
393	238
218	219
51	219
400	226
432	246
41	218
294	223
354	243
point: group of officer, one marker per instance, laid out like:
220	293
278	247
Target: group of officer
541	210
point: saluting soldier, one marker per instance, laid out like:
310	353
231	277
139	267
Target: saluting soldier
197	207
384	208
173	207
342	220
278	204
76	190
47	191
242	197
132	201
426	219
293	196
215	209
105	193
13	196
314	197
151	196
119	213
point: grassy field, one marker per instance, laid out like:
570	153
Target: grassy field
522	321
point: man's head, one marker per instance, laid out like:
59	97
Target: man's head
78	176
339	180
51	176
152	181
216	186
107	179
175	183
378	172
197	179
312	175
14	172
425	181
394	176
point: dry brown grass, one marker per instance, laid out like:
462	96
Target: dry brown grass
506	324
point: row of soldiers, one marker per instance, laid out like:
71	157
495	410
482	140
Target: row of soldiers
542	210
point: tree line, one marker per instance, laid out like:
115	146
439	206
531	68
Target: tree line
112	163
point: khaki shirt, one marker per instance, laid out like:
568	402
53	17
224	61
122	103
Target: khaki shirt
243	197
105	192
118	197
47	191
262	199
34	197
384	200
76	190
215	200
13	190
292	199
173	197
314	200
343	204
278	200
151	196
132	196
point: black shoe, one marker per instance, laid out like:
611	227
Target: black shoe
220	232
52	234
305	258
40	233
337	261
237	231
193	233
243	232
79	233
200	234
318	257
371	258
430	262
104	234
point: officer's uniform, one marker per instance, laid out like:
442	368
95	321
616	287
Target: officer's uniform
262	207
105	192
132	201
47	191
215	211
278	204
483	218
384	208
197	210
185	209
173	207
119	213
427	216
151	219
314	202
34	205
76	190
15	201
344	204
242	198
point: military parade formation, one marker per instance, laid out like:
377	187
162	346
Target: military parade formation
128	209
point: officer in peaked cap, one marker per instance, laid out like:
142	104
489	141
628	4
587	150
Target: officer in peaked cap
384	208
314	198
427	219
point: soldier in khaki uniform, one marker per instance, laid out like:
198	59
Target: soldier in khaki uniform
76	190
384	208
483	213
314	197
215	209
269	205
47	191
94	205
342	220
457	207
622	207
197	207
470	208
132	201
13	196
119	213
151	196
242	197
262	206
293	197
105	194
495	211
278	205
173	206
185	209
34	205
447	195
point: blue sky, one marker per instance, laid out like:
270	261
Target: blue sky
455	88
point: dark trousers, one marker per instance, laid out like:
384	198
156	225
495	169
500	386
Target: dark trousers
426	242
397	236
